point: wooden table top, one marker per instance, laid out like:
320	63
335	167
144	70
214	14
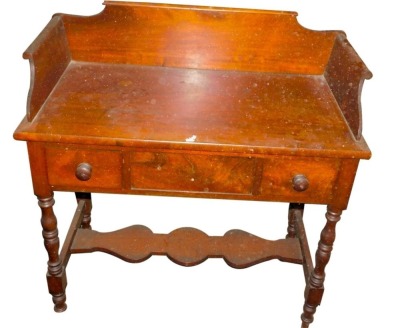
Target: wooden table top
198	79
250	111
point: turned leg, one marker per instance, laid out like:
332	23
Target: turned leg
294	210
56	278
87	197
315	287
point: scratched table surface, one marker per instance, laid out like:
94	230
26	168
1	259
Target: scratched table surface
208	107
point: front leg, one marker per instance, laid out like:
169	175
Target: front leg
56	278
315	286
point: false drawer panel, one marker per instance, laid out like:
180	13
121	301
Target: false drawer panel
192	173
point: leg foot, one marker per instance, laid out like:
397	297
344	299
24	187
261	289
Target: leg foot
308	315
59	303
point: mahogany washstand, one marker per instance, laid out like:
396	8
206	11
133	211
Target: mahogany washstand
198	102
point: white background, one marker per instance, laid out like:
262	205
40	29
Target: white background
362	285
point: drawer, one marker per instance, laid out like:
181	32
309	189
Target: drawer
84	168
277	178
299	179
192	173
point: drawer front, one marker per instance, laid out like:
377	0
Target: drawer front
192	173
297	179
84	168
277	178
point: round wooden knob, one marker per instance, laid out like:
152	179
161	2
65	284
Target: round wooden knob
300	182
83	171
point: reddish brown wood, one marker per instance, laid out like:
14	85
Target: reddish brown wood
201	38
209	110
56	277
300	182
83	171
345	74
76	223
49	56
295	211
87	212
315	285
300	230
187	246
55	271
199	102
63	164
186	172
